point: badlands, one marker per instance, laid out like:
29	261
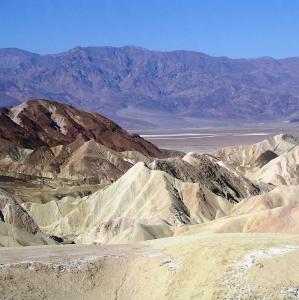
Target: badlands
90	211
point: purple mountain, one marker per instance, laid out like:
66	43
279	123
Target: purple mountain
131	84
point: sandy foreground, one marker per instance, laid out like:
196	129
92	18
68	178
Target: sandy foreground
201	266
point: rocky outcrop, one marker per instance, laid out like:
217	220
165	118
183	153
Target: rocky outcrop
88	181
39	122
209	172
264	158
47	139
13	236
283	170
17	228
148	202
274	212
145	196
273	161
246	156
17	135
12	213
80	161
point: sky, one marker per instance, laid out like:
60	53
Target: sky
234	28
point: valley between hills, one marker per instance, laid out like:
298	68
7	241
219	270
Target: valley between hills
91	211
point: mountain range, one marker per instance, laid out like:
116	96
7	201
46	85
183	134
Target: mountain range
133	85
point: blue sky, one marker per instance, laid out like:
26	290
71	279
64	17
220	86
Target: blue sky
235	28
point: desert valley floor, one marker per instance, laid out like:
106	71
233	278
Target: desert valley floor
214	136
91	211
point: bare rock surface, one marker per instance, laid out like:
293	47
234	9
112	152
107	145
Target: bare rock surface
244	156
38	122
15	236
12	213
179	226
210	266
207	170
82	161
274	212
273	161
147	202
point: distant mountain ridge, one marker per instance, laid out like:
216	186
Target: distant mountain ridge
129	82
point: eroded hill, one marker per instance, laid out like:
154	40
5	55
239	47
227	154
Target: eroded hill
222	225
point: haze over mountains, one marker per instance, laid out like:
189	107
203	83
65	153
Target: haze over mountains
129	83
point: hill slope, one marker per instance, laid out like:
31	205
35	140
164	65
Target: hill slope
38	123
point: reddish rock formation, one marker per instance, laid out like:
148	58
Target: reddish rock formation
35	123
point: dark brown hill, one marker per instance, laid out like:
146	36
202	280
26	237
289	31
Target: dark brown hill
40	122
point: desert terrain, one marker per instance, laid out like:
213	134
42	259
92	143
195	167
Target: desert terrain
89	210
211	266
212	136
149	150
